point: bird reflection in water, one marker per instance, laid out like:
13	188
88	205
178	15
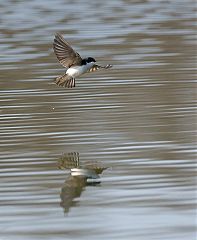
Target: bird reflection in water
81	175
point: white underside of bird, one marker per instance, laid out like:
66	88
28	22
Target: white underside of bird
76	71
88	173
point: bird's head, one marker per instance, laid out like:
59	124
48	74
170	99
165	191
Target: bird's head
90	59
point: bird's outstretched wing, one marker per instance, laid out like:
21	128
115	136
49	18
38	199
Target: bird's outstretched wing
96	67
64	52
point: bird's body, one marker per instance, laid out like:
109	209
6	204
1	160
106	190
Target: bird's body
75	71
75	65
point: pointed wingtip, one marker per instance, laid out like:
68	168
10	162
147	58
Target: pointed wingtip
108	66
58	35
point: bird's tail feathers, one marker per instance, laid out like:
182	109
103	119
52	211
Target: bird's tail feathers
65	81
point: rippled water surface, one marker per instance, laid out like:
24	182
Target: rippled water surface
138	119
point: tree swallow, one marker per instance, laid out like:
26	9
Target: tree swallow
71	60
90	171
82	174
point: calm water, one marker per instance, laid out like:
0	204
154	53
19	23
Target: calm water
138	119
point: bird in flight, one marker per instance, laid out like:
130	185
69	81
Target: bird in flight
71	60
89	170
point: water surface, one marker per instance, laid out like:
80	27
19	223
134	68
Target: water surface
138	119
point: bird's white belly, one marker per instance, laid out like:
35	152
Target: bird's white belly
78	70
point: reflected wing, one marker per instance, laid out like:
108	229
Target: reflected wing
64	52
96	167
95	67
69	160
72	188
